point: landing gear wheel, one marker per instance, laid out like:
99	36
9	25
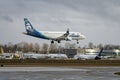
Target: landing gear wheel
52	42
58	41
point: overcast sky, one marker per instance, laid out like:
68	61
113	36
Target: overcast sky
98	20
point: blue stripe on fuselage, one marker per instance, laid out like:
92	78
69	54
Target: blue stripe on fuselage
38	34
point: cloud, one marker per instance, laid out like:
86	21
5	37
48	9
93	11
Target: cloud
7	18
97	19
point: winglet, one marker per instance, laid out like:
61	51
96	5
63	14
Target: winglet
67	33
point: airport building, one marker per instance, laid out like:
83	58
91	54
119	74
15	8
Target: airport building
70	52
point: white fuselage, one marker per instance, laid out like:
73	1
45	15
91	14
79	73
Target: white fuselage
84	57
72	35
53	36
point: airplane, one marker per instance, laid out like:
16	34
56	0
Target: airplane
44	56
87	57
57	56
34	56
53	36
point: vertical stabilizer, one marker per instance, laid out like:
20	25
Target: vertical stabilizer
28	26
1	51
99	55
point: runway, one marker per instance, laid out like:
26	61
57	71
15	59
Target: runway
59	73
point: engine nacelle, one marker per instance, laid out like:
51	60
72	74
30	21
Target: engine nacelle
68	39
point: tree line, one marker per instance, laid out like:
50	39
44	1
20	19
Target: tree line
52	48
29	47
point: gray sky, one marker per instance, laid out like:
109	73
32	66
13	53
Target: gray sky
98	20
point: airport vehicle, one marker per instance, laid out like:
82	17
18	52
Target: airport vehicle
85	57
53	36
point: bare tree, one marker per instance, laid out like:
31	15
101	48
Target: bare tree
67	45
36	47
100	46
91	45
45	48
70	46
53	48
30	47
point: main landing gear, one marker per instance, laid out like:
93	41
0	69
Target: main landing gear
52	42
77	42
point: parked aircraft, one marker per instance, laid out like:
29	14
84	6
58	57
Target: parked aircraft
44	56
53	36
34	56
85	57
1	51
4	55
8	55
57	56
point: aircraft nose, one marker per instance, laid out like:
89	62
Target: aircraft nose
83	37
